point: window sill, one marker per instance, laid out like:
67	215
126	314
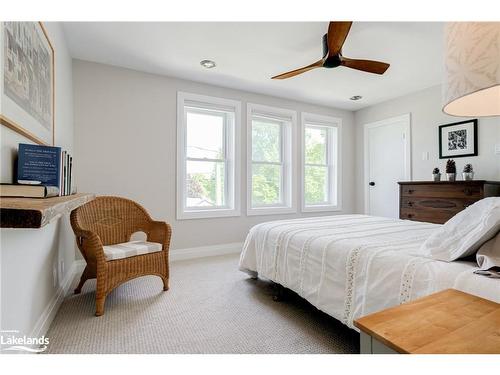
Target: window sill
270	211
207	214
321	208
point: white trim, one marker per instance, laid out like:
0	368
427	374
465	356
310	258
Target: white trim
336	160
407	151
289	159
43	323
205	251
233	164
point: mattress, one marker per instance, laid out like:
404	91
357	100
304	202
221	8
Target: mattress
352	265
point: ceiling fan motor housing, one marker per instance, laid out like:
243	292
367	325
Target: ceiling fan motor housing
332	61
325	45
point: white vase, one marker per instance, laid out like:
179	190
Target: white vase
451	176
436	177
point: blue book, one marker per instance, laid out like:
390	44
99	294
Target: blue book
39	165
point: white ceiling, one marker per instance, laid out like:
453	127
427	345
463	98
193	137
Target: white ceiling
248	54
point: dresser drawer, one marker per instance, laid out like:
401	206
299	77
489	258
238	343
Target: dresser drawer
442	191
431	216
449	204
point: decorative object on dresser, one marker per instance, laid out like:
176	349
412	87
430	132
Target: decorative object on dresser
436	175
103	230
451	170
447	322
437	202
458	139
468	173
27	90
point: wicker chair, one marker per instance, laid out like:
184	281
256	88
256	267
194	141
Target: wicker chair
109	221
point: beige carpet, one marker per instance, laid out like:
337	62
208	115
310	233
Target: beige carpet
211	307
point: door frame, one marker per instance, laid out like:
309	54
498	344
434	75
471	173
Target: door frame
407	151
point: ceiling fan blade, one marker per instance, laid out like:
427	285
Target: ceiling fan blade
317	64
337	34
369	66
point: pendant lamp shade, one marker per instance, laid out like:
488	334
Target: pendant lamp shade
472	69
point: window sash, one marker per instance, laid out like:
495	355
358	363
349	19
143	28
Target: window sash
228	116
281	200
209	112
281	137
282	123
327	189
188	208
330	189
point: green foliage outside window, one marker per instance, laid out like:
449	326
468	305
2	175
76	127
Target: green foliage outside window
266	178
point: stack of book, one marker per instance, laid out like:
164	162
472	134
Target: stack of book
42	171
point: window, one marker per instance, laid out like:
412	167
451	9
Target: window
207	156
320	163
270	160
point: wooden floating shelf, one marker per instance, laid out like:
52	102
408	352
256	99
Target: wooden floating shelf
38	212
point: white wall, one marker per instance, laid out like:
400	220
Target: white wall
426	115
125	144
28	257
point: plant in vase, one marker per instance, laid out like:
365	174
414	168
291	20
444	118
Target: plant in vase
451	170
436	175
468	173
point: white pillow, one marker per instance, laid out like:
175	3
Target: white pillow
465	232
488	255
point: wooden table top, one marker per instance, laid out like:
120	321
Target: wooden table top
447	322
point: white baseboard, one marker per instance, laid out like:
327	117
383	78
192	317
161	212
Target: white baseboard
205	251
45	320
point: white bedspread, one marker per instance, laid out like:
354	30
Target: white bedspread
352	265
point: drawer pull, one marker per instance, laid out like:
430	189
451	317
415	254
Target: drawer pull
468	191
410	216
410	191
410	204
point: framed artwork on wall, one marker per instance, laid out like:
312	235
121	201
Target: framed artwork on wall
458	139
27	97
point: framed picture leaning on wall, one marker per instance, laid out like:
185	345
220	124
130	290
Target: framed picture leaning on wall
27	80
458	139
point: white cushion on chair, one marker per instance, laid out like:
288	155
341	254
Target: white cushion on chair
130	249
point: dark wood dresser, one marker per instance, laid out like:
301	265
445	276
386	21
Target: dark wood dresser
437	202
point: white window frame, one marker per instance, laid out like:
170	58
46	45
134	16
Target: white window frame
334	161
232	156
288	159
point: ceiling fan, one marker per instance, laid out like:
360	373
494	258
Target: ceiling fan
332	54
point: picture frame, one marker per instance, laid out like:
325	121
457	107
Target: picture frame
27	84
458	139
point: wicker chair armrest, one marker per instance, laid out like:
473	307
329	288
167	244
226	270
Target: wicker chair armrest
160	232
90	244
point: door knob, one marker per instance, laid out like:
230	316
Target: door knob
371	183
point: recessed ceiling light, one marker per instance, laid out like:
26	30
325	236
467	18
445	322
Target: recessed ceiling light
209	64
356	97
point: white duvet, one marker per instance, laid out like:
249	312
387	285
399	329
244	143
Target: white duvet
352	265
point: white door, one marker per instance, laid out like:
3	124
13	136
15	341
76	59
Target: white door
387	161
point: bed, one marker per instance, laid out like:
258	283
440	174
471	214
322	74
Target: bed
352	265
